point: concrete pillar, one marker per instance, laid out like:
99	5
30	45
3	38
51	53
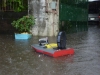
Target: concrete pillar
46	18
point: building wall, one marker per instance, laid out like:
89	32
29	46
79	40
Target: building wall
46	18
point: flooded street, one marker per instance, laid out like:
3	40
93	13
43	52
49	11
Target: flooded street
18	58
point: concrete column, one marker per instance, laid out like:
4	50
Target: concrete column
46	19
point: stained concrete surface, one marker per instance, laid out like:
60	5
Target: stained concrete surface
18	58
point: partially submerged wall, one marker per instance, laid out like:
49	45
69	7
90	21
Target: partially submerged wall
46	13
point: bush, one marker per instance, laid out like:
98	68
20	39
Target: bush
24	24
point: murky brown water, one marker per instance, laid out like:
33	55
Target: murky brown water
18	58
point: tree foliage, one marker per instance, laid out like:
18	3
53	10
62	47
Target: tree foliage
24	24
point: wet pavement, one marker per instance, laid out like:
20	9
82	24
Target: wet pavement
18	58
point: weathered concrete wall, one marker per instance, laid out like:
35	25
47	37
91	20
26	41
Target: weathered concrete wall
46	19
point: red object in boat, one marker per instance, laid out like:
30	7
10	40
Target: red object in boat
53	52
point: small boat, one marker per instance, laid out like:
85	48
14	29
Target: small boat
54	49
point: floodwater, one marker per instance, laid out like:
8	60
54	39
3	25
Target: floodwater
18	58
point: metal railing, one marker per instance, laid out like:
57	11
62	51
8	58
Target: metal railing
6	5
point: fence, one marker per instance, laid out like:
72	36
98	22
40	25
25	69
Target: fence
13	5
9	11
73	15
